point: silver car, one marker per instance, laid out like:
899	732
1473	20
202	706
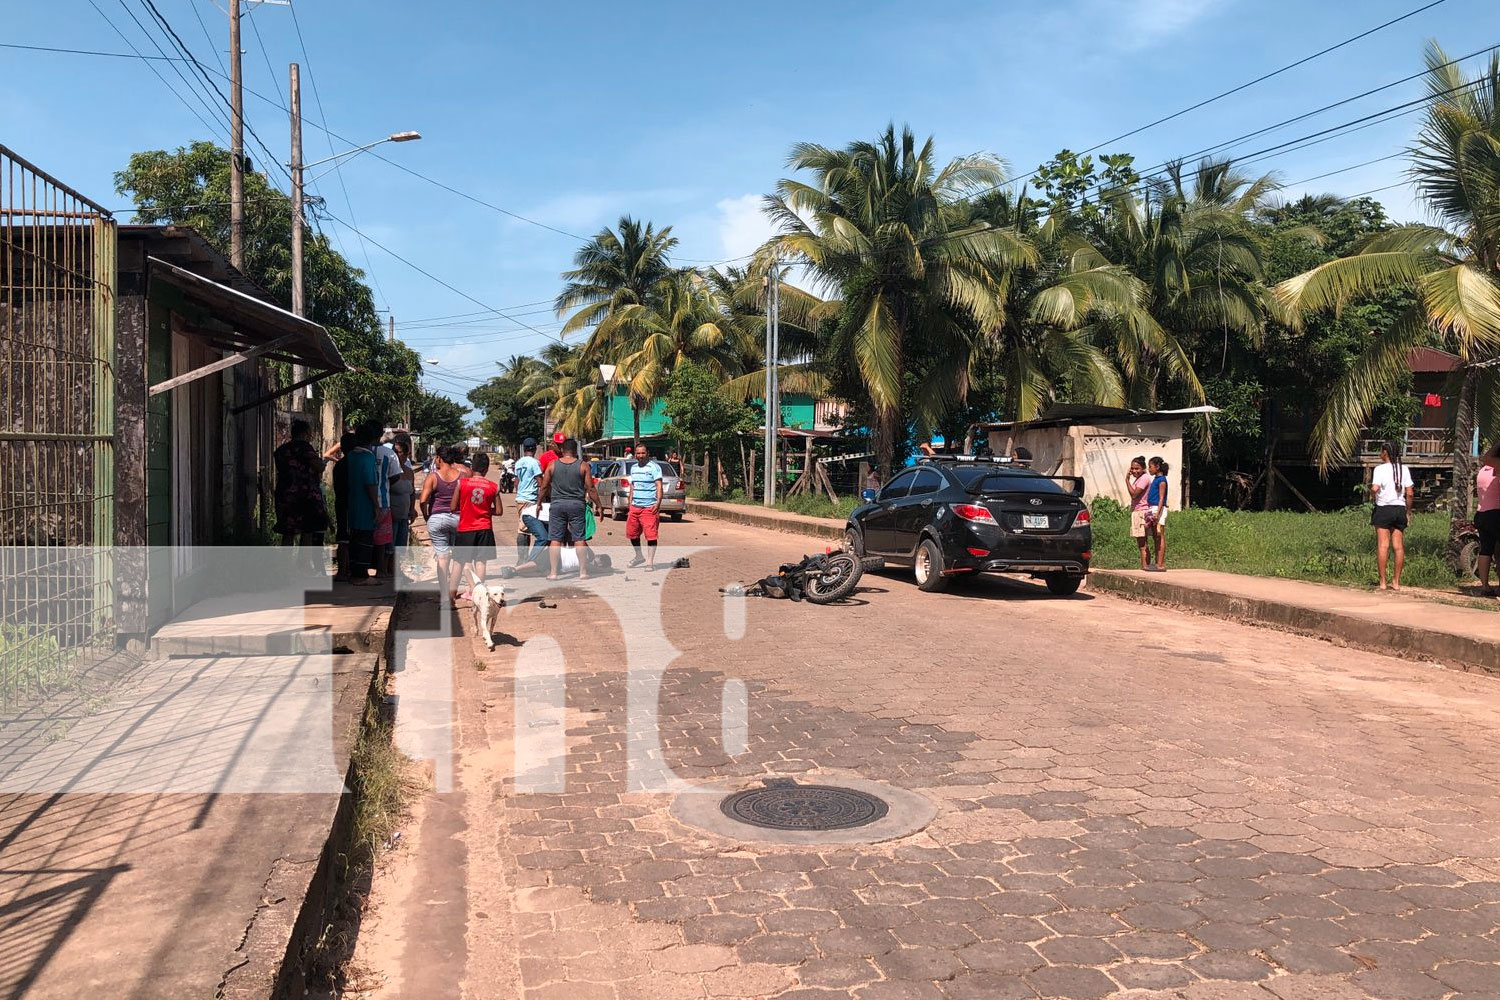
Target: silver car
616	485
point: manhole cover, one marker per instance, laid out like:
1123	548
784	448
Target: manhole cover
786	805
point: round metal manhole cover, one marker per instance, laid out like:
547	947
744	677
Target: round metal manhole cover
789	806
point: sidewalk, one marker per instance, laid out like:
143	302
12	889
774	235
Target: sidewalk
172	836
1403	625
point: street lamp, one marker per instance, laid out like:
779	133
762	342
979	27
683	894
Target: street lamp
298	195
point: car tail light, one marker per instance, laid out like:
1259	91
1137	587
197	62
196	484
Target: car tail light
974	512
1082	517
624	484
1088	555
980	553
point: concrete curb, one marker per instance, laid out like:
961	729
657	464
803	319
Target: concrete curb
1463	651
800	524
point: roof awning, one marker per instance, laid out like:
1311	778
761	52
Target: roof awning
247	327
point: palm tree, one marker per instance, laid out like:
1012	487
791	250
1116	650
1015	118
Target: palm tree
683	320
878	228
611	272
1075	323
562	381
1451	272
1191	241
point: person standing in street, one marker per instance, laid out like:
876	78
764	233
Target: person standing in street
531	532
479	504
1487	519
364	503
567	485
1391	489
549	456
301	512
439	503
403	490
338	454
1137	482
644	516
1156	511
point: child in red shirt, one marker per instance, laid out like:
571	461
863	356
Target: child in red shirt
479	504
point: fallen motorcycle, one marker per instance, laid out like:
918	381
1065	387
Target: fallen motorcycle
817	579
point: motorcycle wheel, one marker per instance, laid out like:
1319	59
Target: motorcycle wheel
837	580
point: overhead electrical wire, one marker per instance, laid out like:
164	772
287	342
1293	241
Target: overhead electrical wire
338	172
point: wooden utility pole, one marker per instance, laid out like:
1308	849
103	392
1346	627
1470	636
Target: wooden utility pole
236	144
298	295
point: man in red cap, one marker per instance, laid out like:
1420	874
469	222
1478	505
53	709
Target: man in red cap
549	456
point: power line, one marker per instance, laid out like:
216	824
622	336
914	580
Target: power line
204	72
1266	76
1345	170
148	60
337	165
428	274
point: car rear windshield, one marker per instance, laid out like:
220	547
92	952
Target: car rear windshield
992	480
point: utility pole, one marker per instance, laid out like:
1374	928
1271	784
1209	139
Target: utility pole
294	90
773	389
236	144
392	335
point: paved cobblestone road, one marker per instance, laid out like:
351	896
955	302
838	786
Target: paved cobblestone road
1131	802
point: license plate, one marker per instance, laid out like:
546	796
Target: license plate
1034	521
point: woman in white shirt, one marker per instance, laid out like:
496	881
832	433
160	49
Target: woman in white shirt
1390	486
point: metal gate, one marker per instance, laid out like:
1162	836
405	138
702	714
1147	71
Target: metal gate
57	323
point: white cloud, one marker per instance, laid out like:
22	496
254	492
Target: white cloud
1131	25
743	227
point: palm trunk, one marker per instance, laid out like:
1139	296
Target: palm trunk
635	415
1460	510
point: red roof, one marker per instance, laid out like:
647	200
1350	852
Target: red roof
1430	359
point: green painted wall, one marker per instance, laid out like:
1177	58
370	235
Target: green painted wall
796	411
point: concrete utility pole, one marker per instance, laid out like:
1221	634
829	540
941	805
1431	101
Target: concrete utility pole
392	335
298	300
236	144
773	379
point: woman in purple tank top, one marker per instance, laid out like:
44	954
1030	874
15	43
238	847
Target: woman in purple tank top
440	510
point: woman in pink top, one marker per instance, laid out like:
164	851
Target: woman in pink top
1137	482
1488	518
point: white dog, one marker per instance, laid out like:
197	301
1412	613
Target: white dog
488	600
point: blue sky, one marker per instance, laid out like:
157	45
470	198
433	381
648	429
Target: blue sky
572	115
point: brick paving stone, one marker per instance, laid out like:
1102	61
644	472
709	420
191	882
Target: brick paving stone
777	949
837	973
987	986
919	963
748	981
1078	951
1242	966
1391	984
1470	977
1066	982
1000	957
1150	975
899	990
720	929
800	921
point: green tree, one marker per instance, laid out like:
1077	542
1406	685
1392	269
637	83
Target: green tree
508	415
616	270
438	420
190	187
702	416
879	227
567	386
1450	272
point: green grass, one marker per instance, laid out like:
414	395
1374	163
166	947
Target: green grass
1326	548
812	506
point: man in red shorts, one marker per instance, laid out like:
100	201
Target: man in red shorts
644	517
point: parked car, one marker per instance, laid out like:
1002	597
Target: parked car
946	518
617	487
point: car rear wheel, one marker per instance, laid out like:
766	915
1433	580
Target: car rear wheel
854	543
929	567
676	515
1062	584
619	514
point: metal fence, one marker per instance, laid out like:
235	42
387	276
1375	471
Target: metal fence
57	322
